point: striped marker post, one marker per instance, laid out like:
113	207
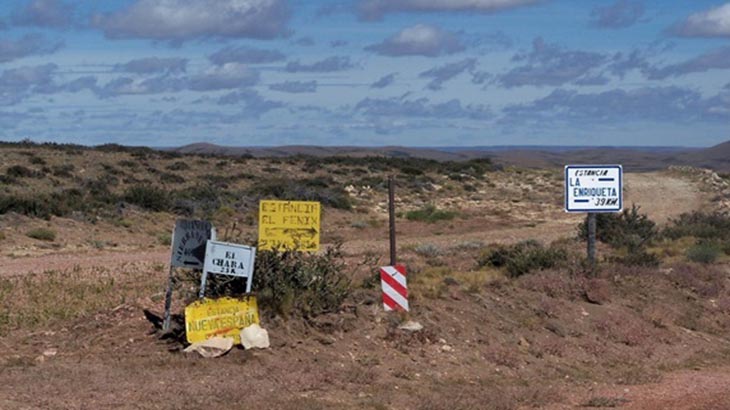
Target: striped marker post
395	291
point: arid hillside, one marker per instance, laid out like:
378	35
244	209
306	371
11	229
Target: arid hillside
512	316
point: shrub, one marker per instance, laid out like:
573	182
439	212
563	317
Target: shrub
201	200
147	197
628	228
178	166
321	189
19	171
639	257
715	226
167	177
430	214
428	250
306	284
36	160
703	253
39	206
522	257
42	234
62	171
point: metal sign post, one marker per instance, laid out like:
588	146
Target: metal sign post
391	215
591	227
593	189
188	251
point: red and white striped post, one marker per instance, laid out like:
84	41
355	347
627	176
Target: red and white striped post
395	290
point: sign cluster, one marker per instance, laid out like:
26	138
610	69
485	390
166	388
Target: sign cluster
283	225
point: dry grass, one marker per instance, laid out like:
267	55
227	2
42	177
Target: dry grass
45	299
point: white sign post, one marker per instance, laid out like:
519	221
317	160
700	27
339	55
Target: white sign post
593	189
223	258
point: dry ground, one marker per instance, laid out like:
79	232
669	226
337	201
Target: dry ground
488	342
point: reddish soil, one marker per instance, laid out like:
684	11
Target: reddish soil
530	343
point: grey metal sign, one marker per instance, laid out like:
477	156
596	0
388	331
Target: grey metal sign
188	243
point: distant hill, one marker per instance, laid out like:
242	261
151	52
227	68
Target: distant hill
632	158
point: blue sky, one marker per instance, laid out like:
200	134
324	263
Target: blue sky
366	72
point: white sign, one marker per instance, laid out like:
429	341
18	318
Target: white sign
188	243
223	258
593	188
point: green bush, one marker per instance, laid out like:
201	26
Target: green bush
301	283
703	253
709	226
178	166
19	171
639	257
62	171
147	197
42	234
430	214
294	283
320	189
522	258
628	228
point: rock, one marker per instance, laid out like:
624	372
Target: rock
556	328
50	352
447	348
214	347
255	337
411	326
598	291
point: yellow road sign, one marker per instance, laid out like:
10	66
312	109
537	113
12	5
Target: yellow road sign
289	225
220	317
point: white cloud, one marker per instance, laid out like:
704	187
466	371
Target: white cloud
711	23
180	20
376	9
421	39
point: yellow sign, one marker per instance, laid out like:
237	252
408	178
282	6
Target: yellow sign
289	225
220	317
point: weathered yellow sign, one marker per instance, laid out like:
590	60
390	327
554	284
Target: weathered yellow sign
289	225
220	317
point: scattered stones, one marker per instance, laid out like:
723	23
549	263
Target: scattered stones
411	326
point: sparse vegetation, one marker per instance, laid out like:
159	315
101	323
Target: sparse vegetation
148	197
42	234
630	231
629	228
523	257
430	213
19	171
703	252
293	284
322	189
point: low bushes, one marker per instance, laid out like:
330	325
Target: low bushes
321	189
42	234
523	257
709	226
703	253
148	197
628	228
430	214
292	283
